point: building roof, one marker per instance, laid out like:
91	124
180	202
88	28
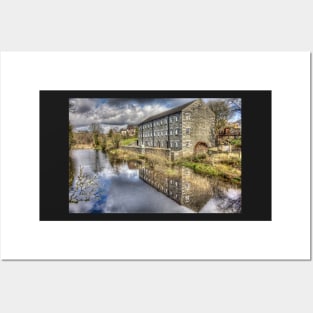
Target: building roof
168	112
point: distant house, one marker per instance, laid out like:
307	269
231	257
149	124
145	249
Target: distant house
123	132
131	130
231	129
187	128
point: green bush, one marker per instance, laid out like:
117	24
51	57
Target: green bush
236	142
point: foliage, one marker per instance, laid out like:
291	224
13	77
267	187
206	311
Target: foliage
236	142
110	133
222	166
155	159
96	131
198	157
104	144
71	140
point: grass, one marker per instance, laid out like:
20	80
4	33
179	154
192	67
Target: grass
90	145
125	155
222	166
128	141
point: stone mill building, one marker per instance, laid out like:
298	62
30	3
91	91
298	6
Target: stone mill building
186	129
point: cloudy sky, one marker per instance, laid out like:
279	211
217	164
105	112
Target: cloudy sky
118	112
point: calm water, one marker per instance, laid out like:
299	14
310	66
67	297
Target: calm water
102	185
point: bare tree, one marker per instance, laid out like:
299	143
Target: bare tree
222	113
116	138
234	105
96	130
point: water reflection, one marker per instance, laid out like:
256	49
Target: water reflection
108	186
191	190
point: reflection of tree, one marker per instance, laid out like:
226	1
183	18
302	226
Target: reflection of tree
228	205
97	162
225	204
83	189
71	170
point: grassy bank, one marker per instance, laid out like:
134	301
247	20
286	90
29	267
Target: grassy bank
128	141
222	166
125	155
226	167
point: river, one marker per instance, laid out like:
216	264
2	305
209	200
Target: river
101	185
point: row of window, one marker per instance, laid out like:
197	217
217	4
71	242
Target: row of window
161	122
163	144
164	133
172	119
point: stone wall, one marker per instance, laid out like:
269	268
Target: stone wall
180	131
146	150
197	126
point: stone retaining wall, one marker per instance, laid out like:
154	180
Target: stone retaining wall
171	155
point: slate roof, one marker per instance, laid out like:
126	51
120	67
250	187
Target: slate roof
165	113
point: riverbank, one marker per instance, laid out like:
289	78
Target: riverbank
226	167
80	142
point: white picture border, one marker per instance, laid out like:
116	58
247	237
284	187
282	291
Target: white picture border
286	237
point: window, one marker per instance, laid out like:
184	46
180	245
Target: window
161	122
187	131
171	131
176	144
176	131
171	119
165	132
187	116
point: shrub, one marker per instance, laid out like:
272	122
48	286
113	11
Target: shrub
236	142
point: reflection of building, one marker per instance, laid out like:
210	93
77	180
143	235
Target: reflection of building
186	188
187	128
